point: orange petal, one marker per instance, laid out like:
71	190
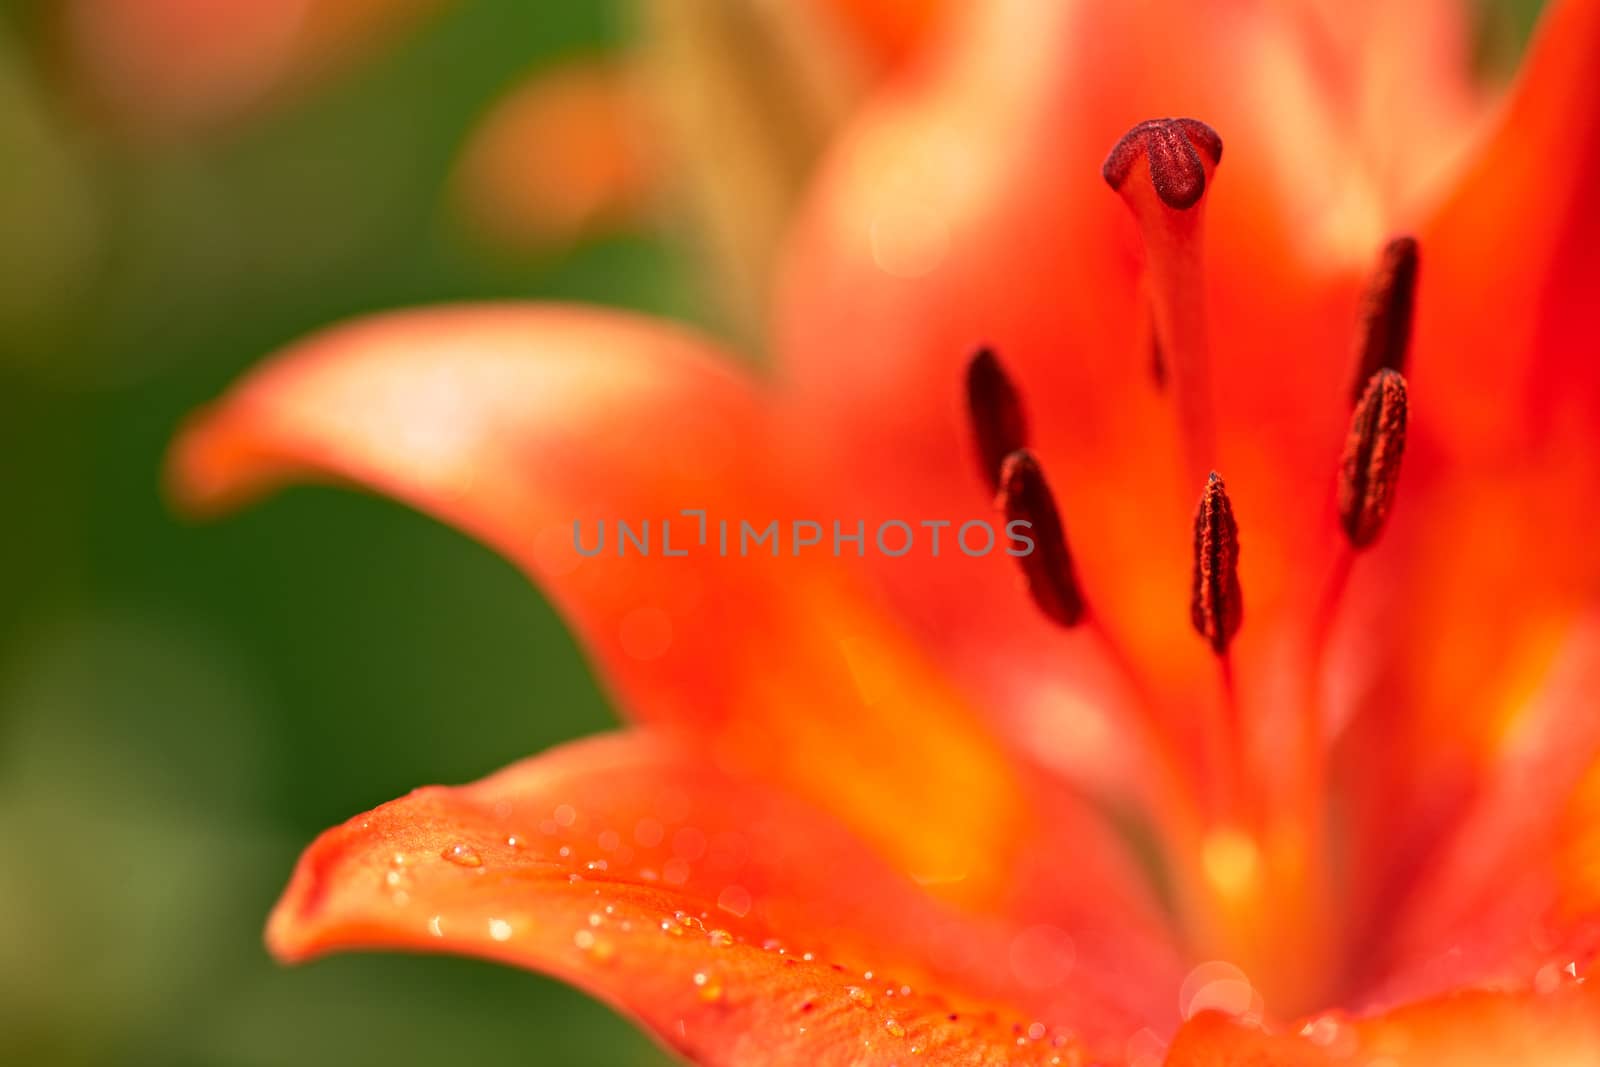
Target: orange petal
1504	328
1508	892
562	156
1560	1028
1498	494
732	922
888	31
514	422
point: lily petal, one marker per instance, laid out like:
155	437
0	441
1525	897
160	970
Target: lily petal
1508	402
1509	893
514	422
1560	1027
1503	340
731	921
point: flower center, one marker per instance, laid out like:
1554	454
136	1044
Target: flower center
1251	879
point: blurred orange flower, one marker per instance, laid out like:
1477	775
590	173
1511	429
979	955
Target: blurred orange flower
1302	774
160	67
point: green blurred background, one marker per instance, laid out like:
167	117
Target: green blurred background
182	708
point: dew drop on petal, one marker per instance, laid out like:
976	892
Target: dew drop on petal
499	929
1042	957
735	900
434	928
1215	986
710	988
462	856
720	938
894	1028
1146	1049
859	997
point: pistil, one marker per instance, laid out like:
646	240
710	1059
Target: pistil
1162	169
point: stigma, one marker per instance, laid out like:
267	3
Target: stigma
1179	153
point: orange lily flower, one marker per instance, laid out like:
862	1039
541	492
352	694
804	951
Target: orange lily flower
1303	773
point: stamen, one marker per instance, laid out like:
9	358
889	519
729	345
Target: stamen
1384	339
1179	158
1158	362
999	424
1217	607
1372	452
1052	581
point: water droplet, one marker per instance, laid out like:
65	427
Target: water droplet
434	928
462	856
710	988
596	865
894	1028
499	929
859	997
584	939
1215	986
513	841
720	938
1042	957
647	833
735	900
1036	1031
1552	976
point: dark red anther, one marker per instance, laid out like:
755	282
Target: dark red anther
1384	337
1217	604
1372	452
1047	567
999	425
1174	149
